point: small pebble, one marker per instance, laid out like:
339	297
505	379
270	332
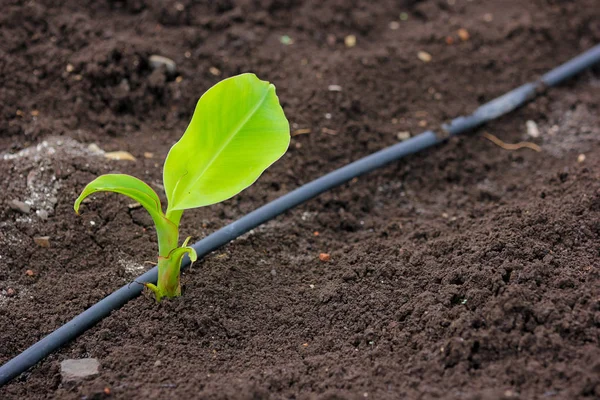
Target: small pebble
29	272
20	206
214	71
10	292
334	88
350	41
463	34
42	241
147	154
42	214
324	257
273	272
119	155
286	40
69	68
509	394
394	25
403	135
94	148
532	129
157	363
581	158
157	61
311	286
424	56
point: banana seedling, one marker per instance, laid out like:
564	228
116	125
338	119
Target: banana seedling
237	131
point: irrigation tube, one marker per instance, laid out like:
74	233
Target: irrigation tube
483	114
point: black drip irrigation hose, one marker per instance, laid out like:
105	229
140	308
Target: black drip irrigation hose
487	112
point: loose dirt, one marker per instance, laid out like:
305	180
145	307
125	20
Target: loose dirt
464	272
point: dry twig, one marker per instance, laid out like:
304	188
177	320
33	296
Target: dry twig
510	146
301	132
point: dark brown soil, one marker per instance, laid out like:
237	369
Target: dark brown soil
466	272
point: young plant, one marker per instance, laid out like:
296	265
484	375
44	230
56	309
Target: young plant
237	131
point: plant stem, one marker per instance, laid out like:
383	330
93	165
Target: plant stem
174	216
168	284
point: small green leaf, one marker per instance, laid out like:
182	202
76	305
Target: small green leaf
177	254
237	131
142	193
124	184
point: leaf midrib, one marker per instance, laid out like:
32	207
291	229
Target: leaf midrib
226	142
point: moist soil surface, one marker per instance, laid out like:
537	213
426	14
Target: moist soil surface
464	272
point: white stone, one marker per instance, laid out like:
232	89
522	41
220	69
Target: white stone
157	61
21	206
404	135
73	370
532	129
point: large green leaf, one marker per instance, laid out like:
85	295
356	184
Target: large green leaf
237	131
142	193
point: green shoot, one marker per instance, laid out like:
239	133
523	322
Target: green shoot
237	131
